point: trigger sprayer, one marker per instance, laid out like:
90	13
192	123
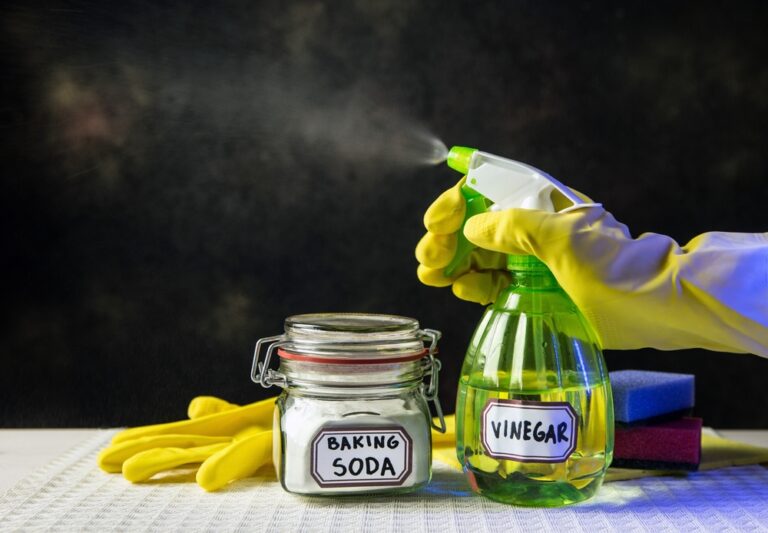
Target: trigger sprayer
499	183
534	412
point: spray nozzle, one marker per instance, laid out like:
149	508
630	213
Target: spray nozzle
504	182
459	158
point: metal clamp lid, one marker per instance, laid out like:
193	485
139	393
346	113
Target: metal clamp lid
262	374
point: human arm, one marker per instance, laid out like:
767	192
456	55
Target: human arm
639	292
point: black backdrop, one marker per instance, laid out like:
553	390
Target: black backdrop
178	177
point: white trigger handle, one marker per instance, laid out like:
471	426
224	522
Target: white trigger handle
509	183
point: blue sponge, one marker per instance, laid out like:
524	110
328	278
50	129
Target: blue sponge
640	394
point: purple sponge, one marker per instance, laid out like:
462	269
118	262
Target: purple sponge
672	445
640	394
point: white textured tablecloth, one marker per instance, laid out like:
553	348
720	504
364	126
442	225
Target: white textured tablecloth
71	493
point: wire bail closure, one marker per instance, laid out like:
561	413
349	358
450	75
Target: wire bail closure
433	388
260	371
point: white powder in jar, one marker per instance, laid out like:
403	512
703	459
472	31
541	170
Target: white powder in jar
356	445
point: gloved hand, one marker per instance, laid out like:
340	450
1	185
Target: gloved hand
230	442
646	292
482	274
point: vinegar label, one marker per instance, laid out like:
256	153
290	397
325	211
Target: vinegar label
362	455
528	431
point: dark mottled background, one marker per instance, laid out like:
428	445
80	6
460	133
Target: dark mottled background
180	176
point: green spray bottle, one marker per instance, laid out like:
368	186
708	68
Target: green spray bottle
534	412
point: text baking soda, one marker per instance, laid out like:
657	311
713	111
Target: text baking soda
352	468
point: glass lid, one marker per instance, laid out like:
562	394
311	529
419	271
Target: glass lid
352	335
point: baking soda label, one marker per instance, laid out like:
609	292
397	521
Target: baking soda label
528	431
361	455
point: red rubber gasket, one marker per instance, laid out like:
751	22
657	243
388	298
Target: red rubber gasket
347	361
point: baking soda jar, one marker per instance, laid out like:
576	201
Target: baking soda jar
353	415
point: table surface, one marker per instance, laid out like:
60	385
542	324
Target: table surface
55	485
24	450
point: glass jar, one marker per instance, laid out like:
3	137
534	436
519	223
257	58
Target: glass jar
353	415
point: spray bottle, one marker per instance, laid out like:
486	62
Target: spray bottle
534	412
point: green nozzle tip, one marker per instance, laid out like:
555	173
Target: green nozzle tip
459	158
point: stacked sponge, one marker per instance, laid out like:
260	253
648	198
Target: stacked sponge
652	429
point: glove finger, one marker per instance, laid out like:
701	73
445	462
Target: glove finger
533	232
436	251
240	460
481	287
248	432
208	405
226	423
444	444
478	260
111	458
481	259
144	465
446	214
447	456
449	437
433	277
512	231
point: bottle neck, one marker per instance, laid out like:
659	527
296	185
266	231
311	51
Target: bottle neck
534	280
533	288
530	273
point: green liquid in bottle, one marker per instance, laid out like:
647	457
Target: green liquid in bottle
533	345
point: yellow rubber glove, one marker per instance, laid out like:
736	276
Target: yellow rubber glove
482	275
444	444
228	441
648	291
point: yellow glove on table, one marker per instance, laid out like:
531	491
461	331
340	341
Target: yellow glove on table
646	292
228	441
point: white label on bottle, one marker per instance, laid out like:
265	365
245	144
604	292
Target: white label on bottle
362	455
527	431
